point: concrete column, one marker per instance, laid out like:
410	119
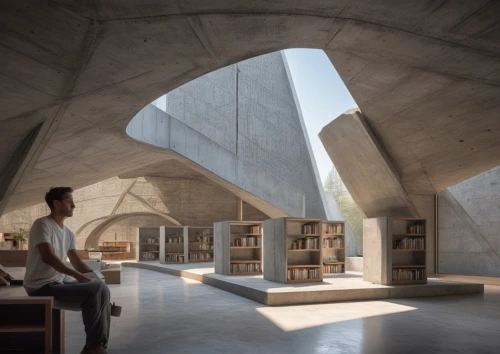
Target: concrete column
365	168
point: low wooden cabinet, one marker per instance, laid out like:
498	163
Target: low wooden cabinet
31	324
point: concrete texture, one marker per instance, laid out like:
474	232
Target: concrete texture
469	226
370	176
257	139
425	75
364	167
247	181
116	207
334	288
163	313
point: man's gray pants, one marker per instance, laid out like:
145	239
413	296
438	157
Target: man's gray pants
94	300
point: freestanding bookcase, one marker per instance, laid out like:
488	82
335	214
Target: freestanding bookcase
184	244
238	247
333	247
172	245
293	250
148	243
394	251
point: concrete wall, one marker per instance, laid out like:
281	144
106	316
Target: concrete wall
469	226
250	110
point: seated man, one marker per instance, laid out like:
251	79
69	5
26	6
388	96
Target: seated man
50	241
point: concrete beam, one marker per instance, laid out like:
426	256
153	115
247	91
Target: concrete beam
364	167
16	168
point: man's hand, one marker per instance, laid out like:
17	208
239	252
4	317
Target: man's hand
83	279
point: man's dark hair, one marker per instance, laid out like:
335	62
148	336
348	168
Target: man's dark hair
56	193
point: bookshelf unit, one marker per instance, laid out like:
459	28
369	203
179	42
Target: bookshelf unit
200	244
293	249
186	244
333	247
238	247
172	245
395	251
148	243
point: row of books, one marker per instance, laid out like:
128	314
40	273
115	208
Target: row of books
176	239
333	268
246	241
334	229
409	243
152	240
209	238
303	273
149	256
174	258
202	247
245	267
310	228
408	274
333	242
416	229
197	256
307	243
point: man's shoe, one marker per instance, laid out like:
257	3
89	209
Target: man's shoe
94	350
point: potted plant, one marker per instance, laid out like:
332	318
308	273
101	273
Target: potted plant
20	238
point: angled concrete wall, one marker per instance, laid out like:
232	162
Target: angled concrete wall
469	226
250	114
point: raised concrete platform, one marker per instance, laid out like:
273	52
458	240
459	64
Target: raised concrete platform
339	287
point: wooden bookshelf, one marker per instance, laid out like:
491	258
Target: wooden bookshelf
333	247
186	244
395	251
172	245
238	246
293	250
148	241
200	247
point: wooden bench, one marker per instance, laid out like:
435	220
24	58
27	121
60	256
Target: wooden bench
31	324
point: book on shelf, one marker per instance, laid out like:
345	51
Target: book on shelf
312	228
149	256
306	243
202	247
245	268
333	242
198	256
408	274
174	239
334	229
250	241
409	243
174	258
416	228
200	238
303	273
333	268
152	240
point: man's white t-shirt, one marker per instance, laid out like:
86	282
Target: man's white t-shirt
62	240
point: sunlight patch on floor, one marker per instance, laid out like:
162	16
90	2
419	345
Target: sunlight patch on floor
293	318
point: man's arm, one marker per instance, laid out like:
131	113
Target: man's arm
48	257
75	260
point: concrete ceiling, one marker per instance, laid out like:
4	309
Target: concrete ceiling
425	74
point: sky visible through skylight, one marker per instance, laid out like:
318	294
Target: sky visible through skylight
322	96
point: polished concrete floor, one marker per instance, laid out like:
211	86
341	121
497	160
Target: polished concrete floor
348	286
168	314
